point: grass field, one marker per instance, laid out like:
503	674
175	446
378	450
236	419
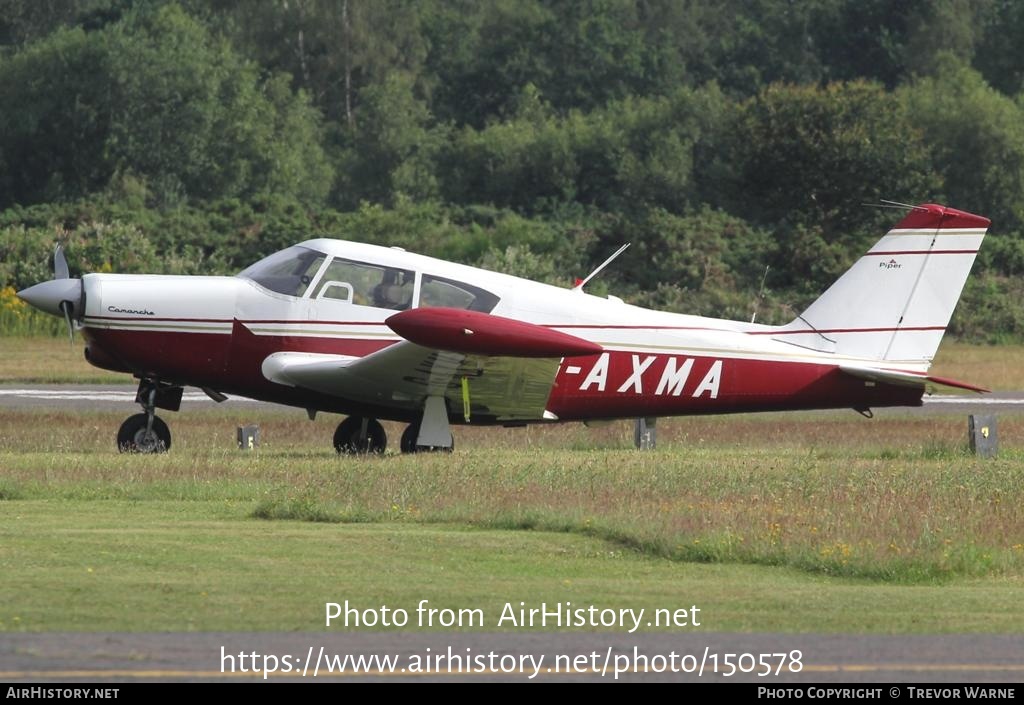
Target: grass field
44	359
790	522
793	522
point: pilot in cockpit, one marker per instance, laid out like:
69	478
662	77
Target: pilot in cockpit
390	293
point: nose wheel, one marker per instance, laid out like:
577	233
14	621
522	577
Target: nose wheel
146	432
359	435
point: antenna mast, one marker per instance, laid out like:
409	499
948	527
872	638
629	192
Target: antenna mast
760	294
583	282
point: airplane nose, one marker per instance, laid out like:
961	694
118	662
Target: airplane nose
47	296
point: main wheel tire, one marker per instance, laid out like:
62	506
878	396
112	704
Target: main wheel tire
410	436
132	437
349	439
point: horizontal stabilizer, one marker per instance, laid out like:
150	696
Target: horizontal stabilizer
908	379
476	333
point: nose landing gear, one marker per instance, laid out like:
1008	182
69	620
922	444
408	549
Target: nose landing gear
146	432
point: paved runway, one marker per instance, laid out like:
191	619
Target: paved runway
94	396
551	656
113	397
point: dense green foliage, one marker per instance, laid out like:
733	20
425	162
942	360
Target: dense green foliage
723	139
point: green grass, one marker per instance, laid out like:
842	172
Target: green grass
202	566
42	360
18	319
997	367
801	522
891	508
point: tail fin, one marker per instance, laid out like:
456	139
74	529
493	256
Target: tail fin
895	302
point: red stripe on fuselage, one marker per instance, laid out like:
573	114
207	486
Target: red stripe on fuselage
848	330
153	319
774	331
606	326
228	363
569	326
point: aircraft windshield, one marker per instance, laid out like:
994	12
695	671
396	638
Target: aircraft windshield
286	272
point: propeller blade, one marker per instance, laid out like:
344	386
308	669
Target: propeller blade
65	306
60	264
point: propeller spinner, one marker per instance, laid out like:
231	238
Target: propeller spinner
61	296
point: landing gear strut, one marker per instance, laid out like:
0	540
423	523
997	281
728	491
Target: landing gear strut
360	435
146	432
432	432
410	442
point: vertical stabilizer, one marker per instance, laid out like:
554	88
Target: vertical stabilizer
895	302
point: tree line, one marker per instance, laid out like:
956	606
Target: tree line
733	142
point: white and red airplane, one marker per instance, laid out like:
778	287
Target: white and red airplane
381	333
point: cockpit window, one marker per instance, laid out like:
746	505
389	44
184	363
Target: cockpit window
288	271
366	284
449	293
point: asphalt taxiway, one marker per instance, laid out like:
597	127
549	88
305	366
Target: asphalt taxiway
122	396
548	656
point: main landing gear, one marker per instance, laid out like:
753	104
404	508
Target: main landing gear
410	441
362	435
146	432
358	434
143	433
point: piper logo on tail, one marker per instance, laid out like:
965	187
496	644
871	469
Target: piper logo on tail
891	264
665	375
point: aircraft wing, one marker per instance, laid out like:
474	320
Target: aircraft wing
505	368
403	374
907	379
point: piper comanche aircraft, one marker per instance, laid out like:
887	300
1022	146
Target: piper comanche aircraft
380	333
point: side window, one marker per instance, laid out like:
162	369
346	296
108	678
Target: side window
435	291
366	284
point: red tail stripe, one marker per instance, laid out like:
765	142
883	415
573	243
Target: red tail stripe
849	330
933	216
922	252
